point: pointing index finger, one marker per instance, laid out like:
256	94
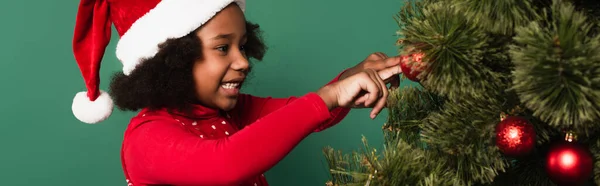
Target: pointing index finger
393	61
389	72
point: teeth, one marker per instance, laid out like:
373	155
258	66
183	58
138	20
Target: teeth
230	85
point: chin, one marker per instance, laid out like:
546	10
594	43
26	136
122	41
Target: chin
227	105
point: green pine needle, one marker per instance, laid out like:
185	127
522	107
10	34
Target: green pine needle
498	16
595	149
557	69
407	107
453	49
465	132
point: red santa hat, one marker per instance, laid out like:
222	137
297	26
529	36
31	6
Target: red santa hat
142	25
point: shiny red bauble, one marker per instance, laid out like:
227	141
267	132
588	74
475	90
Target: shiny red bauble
569	163
515	136
412	66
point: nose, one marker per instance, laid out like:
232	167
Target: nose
240	61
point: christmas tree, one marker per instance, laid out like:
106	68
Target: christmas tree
507	93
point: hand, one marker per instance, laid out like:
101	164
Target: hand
377	61
363	89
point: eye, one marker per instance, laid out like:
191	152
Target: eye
243	47
223	48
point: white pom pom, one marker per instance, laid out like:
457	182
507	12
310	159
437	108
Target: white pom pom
92	112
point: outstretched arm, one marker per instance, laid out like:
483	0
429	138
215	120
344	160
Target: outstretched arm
250	108
160	152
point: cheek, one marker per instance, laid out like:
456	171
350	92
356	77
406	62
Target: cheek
204	78
208	75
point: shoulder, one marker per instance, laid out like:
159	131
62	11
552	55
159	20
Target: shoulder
151	127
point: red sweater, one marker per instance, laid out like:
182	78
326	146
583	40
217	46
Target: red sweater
209	147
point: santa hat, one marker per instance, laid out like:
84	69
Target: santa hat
142	25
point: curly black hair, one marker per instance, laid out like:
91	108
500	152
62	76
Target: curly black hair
166	80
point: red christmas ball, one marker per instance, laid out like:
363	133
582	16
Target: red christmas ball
515	136
569	163
412	66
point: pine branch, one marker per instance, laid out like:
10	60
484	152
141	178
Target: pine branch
544	134
496	57
557	69
345	168
453	49
528	172
411	10
498	17
591	8
407	107
399	164
595	149
403	164
396	167
464	131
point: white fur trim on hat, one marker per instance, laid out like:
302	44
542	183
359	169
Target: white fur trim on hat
170	19
92	112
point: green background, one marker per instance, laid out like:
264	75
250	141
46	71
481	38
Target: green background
41	142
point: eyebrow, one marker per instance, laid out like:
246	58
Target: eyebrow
225	36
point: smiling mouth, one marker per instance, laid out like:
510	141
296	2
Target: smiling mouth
233	83
230	85
231	88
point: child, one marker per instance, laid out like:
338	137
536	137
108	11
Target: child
184	63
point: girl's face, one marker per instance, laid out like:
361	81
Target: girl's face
219	74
